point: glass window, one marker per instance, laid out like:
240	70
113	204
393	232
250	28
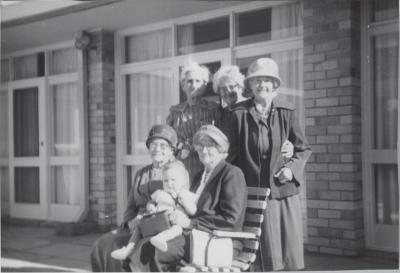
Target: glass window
253	26
4	184
27	185
384	10
274	23
65	117
130	175
3	124
30	66
385	90
26	122
148	99
387	194
148	46
5	71
66	187
64	61
203	36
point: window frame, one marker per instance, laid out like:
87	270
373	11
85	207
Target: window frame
375	233
227	56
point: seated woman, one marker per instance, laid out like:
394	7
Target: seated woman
174	194
161	143
222	197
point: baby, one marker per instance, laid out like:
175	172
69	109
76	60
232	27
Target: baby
175	195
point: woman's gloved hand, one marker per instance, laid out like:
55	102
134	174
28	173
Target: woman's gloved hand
284	175
287	149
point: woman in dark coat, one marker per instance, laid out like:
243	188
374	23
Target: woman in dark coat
161	143
257	129
187	117
222	194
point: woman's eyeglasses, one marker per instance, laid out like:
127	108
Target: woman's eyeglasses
163	146
200	147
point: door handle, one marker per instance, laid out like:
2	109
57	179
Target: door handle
41	143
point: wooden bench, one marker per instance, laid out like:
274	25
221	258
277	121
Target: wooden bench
246	244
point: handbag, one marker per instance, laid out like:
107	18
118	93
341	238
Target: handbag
152	224
208	250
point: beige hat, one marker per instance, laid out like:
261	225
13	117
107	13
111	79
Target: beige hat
263	67
215	134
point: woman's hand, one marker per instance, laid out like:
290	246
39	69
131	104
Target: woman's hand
284	175
184	153
151	207
179	218
287	149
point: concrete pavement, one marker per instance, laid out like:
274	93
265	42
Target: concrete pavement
39	249
30	249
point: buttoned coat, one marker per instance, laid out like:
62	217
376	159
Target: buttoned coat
222	203
240	126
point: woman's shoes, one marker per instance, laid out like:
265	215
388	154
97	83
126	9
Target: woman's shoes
123	252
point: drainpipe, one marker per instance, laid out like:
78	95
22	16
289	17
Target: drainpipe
82	41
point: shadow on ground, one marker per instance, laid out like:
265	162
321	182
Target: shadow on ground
31	269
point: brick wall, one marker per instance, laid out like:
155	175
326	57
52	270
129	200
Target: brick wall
333	126
102	149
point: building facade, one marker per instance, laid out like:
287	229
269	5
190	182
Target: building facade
82	84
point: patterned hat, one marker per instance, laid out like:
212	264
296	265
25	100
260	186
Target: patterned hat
215	134
163	131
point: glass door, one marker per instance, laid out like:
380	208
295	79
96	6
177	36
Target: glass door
28	191
380	123
4	165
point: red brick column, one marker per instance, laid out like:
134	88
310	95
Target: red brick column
102	149
333	126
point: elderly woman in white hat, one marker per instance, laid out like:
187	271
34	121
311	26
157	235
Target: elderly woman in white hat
187	117
222	195
228	83
257	129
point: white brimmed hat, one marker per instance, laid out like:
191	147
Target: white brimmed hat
263	67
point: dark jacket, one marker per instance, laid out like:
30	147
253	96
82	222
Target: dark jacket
222	203
241	127
140	192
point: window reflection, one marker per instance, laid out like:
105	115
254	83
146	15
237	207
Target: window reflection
385	88
387	194
203	36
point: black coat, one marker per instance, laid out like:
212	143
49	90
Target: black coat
222	203
241	127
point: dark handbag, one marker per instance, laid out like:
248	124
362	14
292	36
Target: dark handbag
152	224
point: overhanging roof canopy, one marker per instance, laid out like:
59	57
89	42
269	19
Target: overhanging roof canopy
27	25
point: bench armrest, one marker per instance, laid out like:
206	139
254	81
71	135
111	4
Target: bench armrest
234	234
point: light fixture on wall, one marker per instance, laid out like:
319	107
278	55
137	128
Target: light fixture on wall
82	40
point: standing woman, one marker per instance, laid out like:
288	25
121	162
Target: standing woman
257	129
228	83
187	117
